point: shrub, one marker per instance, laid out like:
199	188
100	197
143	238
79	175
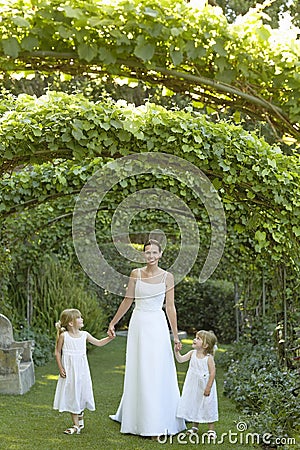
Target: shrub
207	306
43	344
264	391
54	288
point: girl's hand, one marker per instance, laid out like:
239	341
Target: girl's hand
177	346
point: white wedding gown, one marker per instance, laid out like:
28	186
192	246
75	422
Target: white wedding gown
151	395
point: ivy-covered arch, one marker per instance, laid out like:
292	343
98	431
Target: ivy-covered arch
52	145
257	183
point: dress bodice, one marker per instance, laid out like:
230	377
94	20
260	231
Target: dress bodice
74	346
149	296
199	365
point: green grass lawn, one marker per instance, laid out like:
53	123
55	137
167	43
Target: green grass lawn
29	422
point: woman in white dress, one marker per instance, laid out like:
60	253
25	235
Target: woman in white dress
199	402
151	394
74	392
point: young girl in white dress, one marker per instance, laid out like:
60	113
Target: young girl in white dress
74	391
199	402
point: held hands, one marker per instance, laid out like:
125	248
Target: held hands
111	331
177	346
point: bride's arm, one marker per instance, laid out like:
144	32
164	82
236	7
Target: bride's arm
171	310
124	305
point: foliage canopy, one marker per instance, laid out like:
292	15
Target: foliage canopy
258	184
245	66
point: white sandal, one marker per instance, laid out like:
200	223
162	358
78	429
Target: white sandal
72	430
193	430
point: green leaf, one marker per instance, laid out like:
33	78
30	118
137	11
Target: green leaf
37	131
87	52
21	22
29	43
272	162
150	12
176	31
260	236
144	51
193	51
239	228
8	154
296	230
78	135
123	183
227	76
177	57
64	32
264	33
76	13
237	116
224	166
219	47
11	47
171	139
106	56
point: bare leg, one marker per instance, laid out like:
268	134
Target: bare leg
75	419
211	430
75	429
211	426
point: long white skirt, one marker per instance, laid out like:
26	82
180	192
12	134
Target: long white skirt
150	398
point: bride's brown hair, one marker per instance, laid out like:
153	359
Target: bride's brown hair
152	242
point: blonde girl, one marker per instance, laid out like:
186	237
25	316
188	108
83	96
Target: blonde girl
74	391
198	402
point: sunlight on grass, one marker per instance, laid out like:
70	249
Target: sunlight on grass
119	370
51	377
30	422
187	341
181	373
40	382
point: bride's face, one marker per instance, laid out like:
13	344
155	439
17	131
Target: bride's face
152	254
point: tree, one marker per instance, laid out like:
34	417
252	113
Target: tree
245	66
274	9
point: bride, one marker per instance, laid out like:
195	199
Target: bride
151	394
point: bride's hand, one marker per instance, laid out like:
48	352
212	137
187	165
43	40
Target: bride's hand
111	331
177	345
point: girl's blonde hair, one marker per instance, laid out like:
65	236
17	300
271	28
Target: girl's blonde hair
209	341
67	316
